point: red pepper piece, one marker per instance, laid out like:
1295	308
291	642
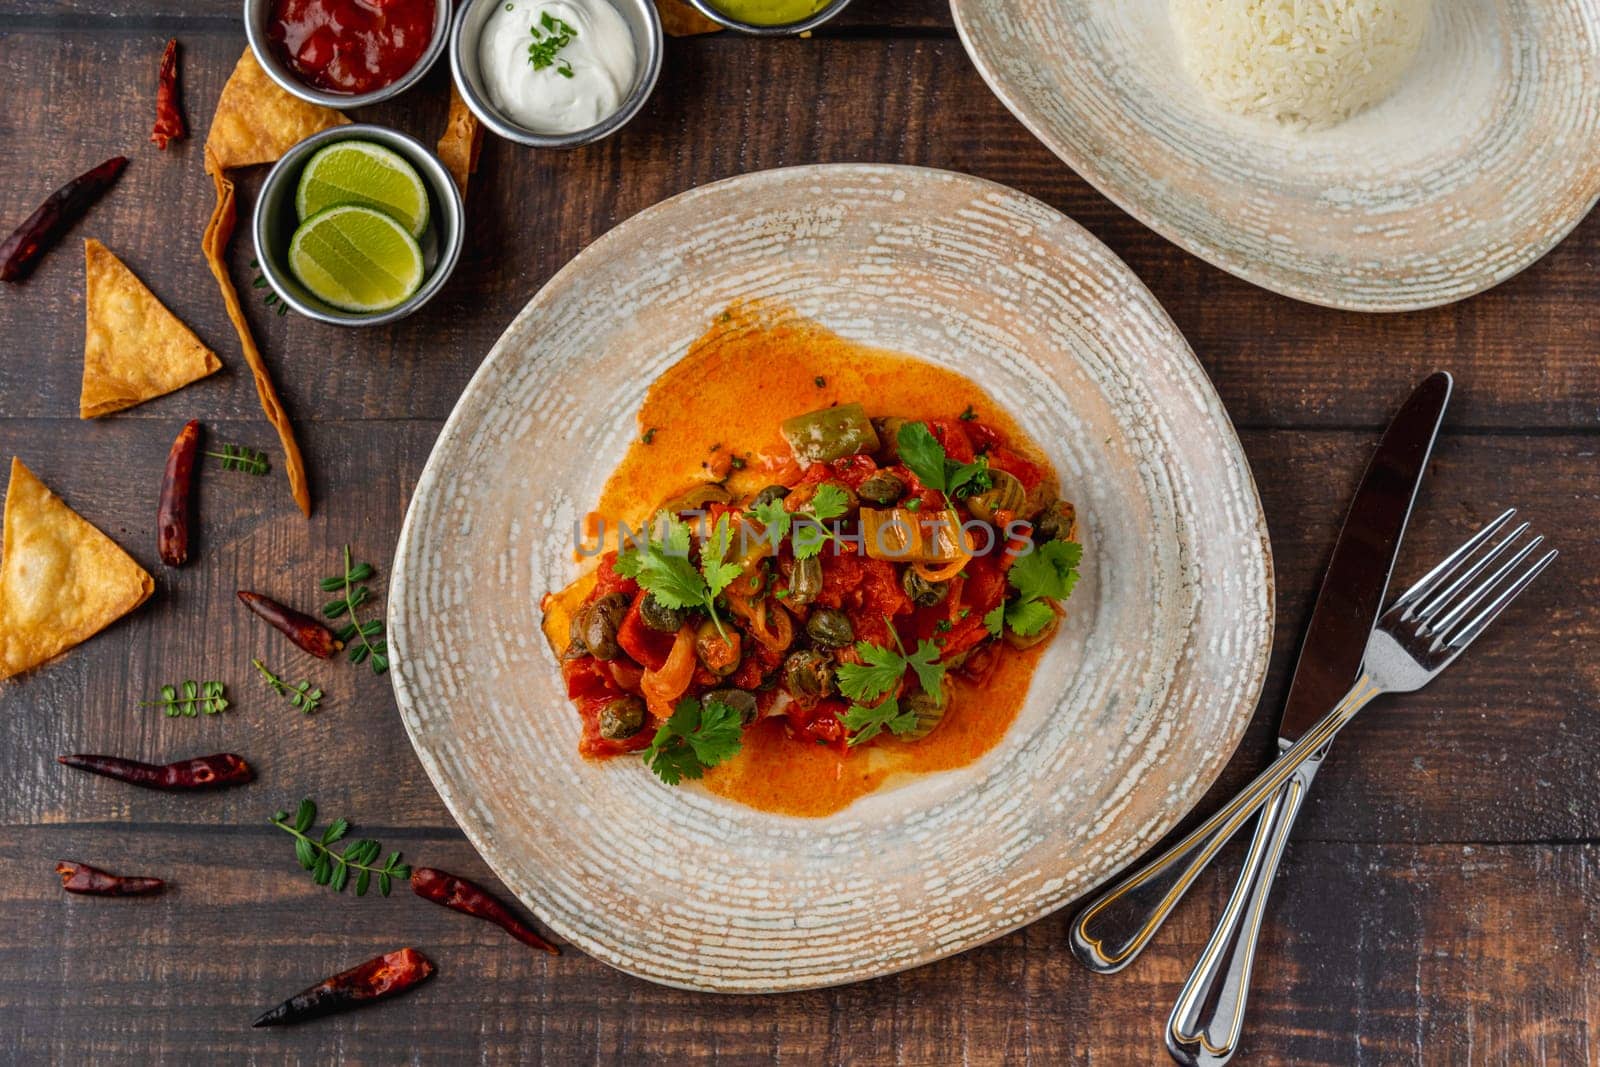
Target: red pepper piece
92	881
648	648
169	120
391	973
307	633
470	898
40	231
204	772
172	519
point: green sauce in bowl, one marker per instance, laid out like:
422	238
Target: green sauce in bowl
769	12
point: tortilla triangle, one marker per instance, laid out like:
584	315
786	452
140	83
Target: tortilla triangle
257	120
134	349
61	579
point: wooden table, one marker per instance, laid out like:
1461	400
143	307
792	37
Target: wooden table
1441	898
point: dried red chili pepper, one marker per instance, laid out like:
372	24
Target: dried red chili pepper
92	881
169	120
297	626
441	887
391	973
204	772
172	519
41	230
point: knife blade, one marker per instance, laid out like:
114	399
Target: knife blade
1357	578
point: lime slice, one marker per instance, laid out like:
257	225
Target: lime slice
356	258
360	172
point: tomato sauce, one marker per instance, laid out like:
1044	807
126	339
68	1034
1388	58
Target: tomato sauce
351	46
754	368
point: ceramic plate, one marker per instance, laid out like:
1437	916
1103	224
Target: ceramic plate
1134	708
1479	163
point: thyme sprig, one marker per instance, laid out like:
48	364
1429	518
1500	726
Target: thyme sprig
240	458
301	694
331	868
194	698
371	646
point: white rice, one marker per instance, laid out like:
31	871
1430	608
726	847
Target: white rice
1304	63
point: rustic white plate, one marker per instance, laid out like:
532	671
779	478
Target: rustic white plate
1132	712
1484	158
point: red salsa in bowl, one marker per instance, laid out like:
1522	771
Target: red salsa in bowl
351	46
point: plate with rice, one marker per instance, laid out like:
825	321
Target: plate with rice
1373	155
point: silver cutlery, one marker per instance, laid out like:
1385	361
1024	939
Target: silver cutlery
1110	934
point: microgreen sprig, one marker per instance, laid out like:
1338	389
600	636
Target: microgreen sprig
194	698
331	868
302	694
352	594
240	458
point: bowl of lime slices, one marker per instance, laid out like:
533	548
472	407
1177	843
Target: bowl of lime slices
358	225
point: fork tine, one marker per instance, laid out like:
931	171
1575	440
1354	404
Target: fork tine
1428	581
1475	595
1469	633
1436	604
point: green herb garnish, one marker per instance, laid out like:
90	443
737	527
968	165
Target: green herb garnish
550	37
968	415
830	502
189	699
372	646
332	868
697	737
870	685
662	568
271	298
649	436
240	458
301	694
1047	573
922	453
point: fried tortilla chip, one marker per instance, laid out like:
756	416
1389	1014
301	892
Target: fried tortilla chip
134	349
61	580
458	148
215	246
678	19
257	120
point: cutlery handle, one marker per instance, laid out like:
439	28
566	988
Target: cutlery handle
1204	1028
1118	924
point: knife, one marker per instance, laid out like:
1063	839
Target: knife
1205	1024
1108	934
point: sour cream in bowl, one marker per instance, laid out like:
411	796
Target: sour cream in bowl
556	72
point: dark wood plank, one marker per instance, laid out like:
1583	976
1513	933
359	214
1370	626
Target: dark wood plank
1373	954
728	105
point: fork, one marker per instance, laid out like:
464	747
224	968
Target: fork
1421	634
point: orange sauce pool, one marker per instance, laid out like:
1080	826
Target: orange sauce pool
755	367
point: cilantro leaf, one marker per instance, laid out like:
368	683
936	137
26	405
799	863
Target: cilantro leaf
865	723
1028	617
930	672
995	620
878	673
966	479
662	567
774	519
922	453
1048	572
697	737
830	502
713	558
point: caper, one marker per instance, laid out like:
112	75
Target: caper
621	718
1058	521
830	628
1016	640
656	615
596	625
805	581
928	711
808	676
888	429
1005	493
741	700
882	489
923	593
718	654
769	494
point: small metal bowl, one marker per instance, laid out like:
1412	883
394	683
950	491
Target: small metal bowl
258	12
642	20
275	222
787	29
